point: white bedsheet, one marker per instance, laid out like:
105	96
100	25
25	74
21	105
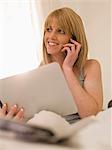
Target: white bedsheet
94	136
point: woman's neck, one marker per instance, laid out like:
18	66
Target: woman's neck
59	59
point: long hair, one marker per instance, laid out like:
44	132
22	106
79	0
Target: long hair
72	24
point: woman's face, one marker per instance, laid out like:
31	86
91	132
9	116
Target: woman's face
54	38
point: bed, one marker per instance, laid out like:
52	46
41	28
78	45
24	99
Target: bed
96	135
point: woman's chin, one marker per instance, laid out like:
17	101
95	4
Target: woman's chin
52	52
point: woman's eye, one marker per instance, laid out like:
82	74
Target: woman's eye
48	29
61	31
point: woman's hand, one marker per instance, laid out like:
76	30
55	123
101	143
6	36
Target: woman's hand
72	50
14	112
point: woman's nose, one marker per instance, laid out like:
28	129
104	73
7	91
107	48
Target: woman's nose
53	35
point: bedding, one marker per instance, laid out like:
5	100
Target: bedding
94	135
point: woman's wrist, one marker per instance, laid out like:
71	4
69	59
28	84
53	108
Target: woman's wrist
67	69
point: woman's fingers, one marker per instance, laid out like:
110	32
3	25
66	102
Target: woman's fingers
13	111
16	113
20	114
72	49
73	46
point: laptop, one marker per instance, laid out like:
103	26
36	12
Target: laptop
43	88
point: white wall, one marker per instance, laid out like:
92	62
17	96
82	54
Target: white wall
111	48
96	15
18	45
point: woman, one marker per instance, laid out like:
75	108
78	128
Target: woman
65	42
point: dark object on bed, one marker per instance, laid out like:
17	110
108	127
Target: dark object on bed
72	118
110	104
1	104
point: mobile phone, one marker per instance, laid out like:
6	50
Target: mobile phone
73	37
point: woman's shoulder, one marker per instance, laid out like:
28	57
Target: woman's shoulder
92	62
91	65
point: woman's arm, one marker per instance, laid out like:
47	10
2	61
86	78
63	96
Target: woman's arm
89	99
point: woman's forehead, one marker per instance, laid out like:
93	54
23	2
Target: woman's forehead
52	20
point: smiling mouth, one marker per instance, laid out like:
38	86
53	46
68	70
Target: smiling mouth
50	43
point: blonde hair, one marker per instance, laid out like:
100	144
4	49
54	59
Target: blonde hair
72	25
